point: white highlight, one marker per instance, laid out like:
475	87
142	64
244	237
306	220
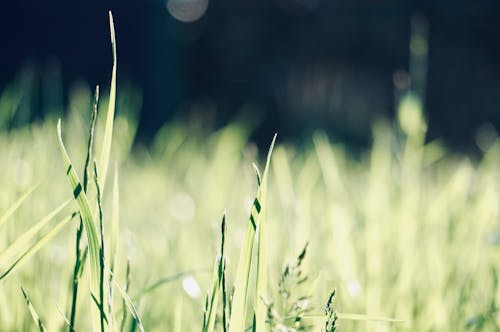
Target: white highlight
191	287
187	10
353	288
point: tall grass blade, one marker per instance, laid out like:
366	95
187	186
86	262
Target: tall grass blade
33	312
239	304
90	144
218	276
27	236
260	305
115	219
37	245
80	257
237	321
110	116
87	218
16	205
102	306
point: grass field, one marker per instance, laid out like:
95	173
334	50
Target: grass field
405	231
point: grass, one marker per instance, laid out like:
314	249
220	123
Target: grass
407	233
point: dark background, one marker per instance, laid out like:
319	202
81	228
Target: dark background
287	65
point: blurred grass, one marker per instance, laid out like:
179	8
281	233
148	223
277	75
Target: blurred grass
408	230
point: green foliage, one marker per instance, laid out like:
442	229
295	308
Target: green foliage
407	229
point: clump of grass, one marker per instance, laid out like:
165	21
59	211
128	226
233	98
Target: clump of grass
331	314
286	312
413	228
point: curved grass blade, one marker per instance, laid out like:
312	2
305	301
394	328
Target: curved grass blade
130	305
38	245
27	236
87	218
166	280
34	314
16	205
110	116
260	306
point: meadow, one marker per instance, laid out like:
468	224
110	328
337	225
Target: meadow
406	232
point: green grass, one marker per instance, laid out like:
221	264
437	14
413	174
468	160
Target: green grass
407	233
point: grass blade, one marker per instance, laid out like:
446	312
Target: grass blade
101	306
218	276
239	304
260	306
166	280
16	205
130	305
115	219
87	218
237	322
23	240
110	116
33	312
80	257
38	245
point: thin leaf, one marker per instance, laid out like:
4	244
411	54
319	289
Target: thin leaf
81	257
238	319
38	245
33	312
110	116
239	304
260	306
16	205
218	276
101	251
166	280
90	144
115	220
130	305
27	236
101	310
87	218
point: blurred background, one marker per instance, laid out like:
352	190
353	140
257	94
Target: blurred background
287	66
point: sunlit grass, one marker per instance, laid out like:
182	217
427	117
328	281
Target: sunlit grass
407	233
